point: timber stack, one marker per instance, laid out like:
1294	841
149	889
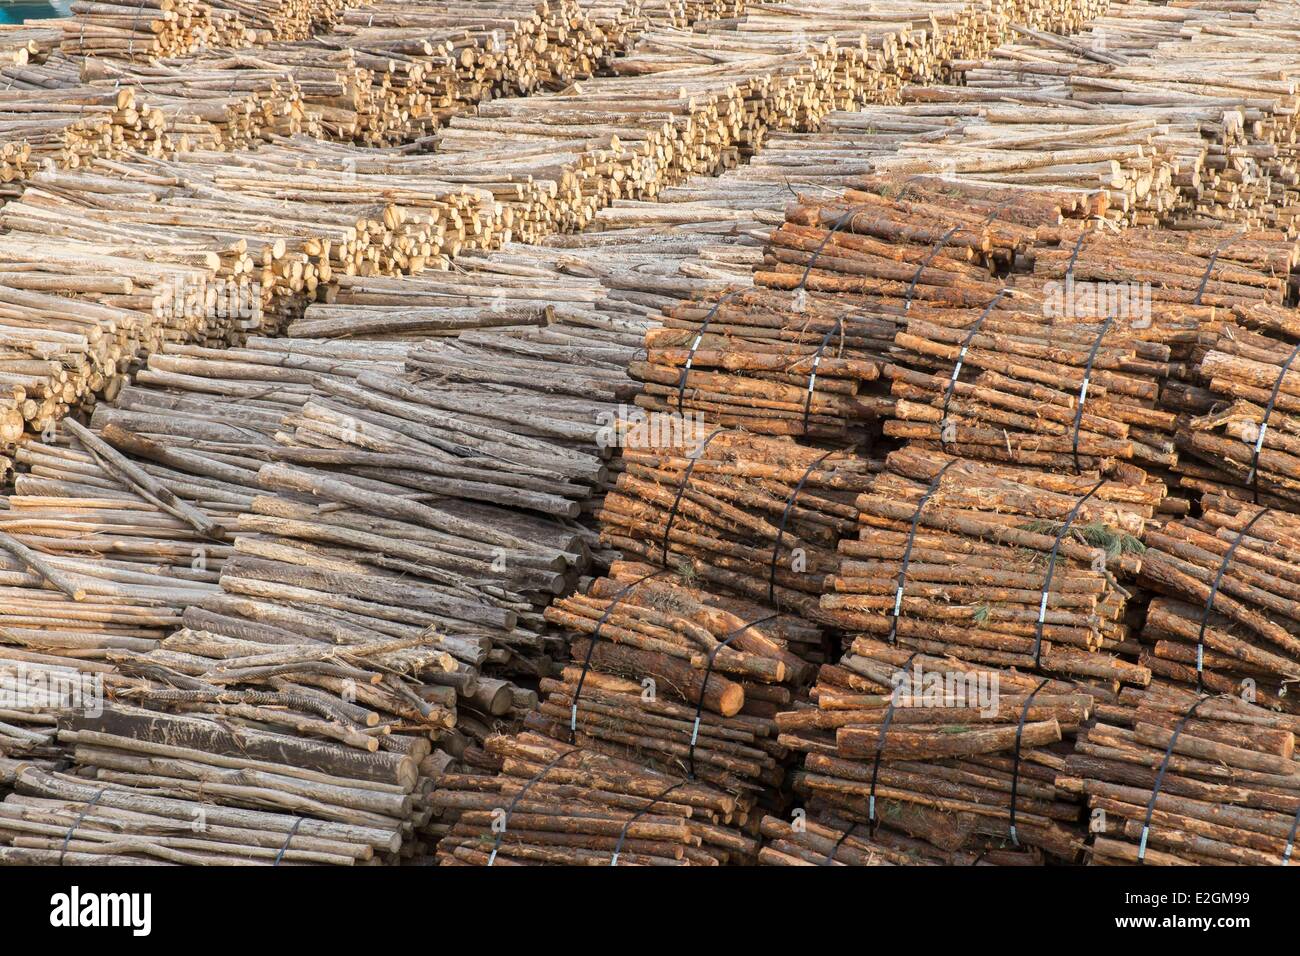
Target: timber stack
1176	778
926	757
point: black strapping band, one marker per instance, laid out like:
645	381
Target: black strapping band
1051	569
1015	766
911	540
1083	392
1074	256
934	251
961	357
785	516
1160	778
880	742
699	337
618	847
1209	268
76	823
1253	478
492	857
840	223
591	647
694	456
812	375
1214	591
704	684
293	830
830	857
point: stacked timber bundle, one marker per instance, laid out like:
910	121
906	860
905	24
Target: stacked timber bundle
717	670
914	39
559	803
754	359
228	102
274	231
70	127
1003	566
488	48
1225	616
1243	437
103	551
927	759
1173	779
221	790
922	240
143	29
28	42
79	312
753	515
57	818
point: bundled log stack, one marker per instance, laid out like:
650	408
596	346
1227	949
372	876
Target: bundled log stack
156	29
71	127
219	791
926	759
1003	566
28	42
753	515
144	29
1225	617
1173	779
754	359
672	690
78	312
559	803
232	102
1242	432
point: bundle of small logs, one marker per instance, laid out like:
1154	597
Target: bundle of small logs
78	311
1176	779
154	29
926	756
28	42
748	514
548	802
754	359
143	29
72	126
1225	617
1245	411
998	565
217	789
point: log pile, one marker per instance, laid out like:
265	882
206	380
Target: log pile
1243	422
748	514
71	127
1009	567
1173	779
28	42
1224	617
154	788
922	756
156	29
143	30
557	803
754	359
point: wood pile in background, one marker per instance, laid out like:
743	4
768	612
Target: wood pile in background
144	29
